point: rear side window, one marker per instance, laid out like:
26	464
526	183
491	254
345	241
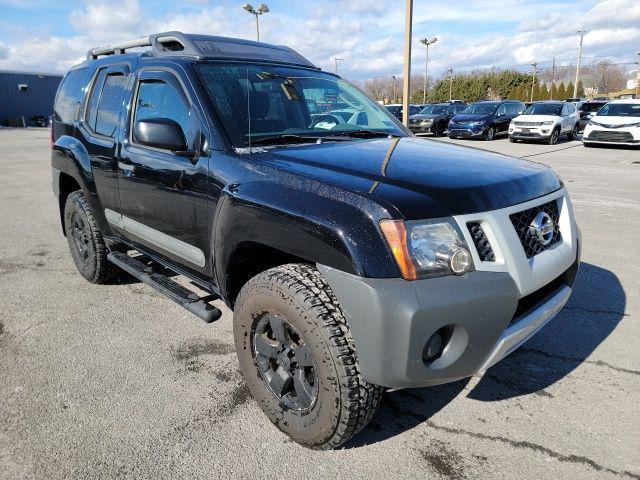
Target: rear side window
69	96
110	102
105	102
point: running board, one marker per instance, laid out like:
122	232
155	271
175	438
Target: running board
176	292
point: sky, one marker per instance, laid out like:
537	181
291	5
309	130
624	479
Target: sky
51	35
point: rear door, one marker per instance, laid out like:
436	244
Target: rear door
98	129
163	196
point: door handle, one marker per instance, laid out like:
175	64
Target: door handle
126	167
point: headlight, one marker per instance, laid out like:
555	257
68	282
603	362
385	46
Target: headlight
548	122
427	122
475	124
427	248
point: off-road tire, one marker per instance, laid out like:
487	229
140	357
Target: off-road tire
93	266
345	402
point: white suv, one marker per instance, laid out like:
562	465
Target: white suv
546	121
618	122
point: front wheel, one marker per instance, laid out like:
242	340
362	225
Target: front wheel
298	357
490	134
553	139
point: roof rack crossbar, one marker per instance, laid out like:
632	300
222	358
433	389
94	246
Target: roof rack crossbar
118	49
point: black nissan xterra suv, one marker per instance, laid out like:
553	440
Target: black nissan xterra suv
354	256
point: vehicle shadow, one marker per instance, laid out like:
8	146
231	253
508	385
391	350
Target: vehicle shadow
596	307
593	312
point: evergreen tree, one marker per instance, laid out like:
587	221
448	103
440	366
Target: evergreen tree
580	89
554	92
562	92
569	91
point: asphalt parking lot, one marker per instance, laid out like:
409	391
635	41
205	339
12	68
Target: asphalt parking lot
116	381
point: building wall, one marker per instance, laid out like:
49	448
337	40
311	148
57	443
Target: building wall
37	99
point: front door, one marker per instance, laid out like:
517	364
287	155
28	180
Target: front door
164	205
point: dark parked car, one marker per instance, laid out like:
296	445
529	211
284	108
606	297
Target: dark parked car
396	109
588	108
435	118
355	257
485	119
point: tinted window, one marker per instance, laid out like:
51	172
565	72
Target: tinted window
109	105
69	95
591	107
512	109
502	110
481	108
544	109
620	110
92	107
158	99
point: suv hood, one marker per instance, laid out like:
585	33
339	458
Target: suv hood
424	116
471	117
420	178
537	118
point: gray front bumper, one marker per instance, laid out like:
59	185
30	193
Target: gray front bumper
391	320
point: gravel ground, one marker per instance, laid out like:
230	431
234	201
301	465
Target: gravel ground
118	382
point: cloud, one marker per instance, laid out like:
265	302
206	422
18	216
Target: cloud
367	35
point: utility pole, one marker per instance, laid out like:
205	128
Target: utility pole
394	88
638	78
533	78
450	72
553	78
406	87
261	10
582	31
336	59
426	42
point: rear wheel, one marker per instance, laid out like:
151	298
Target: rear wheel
490	133
573	134
298	357
85	240
439	129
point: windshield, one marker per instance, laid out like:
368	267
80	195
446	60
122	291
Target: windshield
544	109
591	107
260	102
434	110
481	108
620	110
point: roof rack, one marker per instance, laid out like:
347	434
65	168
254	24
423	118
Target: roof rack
205	46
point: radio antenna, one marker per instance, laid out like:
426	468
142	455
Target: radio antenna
249	110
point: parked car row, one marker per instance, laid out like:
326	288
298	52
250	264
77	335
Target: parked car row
603	122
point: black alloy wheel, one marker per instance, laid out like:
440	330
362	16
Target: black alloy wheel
285	362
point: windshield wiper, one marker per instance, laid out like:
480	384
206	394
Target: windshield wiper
285	139
364	133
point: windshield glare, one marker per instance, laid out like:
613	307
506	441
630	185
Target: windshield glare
481	108
544	109
434	110
260	101
620	110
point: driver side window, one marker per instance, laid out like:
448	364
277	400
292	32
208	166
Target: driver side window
158	99
502	110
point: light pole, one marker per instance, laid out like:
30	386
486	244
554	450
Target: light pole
261	10
394	88
426	42
582	31
336	60
533	78
450	72
406	84
638	78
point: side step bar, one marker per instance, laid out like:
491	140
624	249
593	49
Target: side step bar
176	292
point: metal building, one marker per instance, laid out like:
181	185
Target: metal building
26	99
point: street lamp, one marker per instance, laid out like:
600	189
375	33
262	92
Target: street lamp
582	31
262	9
336	59
394	88
426	42
450	72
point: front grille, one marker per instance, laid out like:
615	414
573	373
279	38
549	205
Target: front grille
480	240
604	136
522	220
528	124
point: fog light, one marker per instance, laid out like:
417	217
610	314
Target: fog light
433	348
460	261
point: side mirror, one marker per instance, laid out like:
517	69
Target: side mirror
160	133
